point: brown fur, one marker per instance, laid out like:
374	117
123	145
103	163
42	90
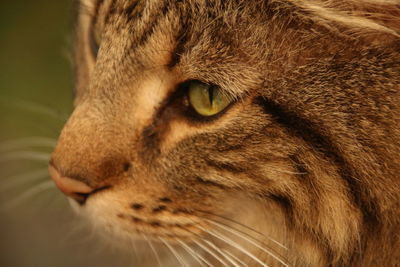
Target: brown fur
309	153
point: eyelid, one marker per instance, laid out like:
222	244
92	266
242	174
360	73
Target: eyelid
228	93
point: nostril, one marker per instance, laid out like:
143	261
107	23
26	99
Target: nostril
70	187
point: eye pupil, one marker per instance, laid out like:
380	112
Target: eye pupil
211	95
207	100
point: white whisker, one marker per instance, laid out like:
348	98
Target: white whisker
26	155
246	227
28	142
174	252
35	107
210	252
237	233
200	259
233	244
134	249
22	178
222	253
236	258
153	249
29	193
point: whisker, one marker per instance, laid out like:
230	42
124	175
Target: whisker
193	253
222	253
213	246
153	249
174	252
237	233
28	142
232	243
134	249
210	252
29	193
246	227
236	258
35	107
26	155
22	178
134	253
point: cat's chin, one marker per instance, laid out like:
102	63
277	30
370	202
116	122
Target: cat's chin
103	214
118	224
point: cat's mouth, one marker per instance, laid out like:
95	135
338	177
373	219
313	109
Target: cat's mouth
156	219
113	207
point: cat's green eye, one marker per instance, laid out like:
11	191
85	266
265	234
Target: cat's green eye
207	100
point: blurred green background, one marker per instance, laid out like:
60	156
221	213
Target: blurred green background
37	227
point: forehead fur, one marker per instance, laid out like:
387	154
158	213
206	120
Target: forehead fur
360	15
209	29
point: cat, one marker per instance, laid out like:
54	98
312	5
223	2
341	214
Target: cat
241	132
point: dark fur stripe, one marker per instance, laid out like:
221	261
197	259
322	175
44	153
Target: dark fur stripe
151	25
203	181
180	47
304	129
129	11
286	203
225	166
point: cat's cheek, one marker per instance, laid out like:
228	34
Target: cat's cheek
102	211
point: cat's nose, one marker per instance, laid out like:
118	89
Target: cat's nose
71	187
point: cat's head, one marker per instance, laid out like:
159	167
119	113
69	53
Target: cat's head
194	117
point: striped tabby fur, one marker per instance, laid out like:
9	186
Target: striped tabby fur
307	157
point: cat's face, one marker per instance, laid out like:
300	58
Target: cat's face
168	170
180	127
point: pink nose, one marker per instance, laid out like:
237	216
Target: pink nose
70	187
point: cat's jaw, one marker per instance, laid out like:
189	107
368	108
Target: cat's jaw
236	231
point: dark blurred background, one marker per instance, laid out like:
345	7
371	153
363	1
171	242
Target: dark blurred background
37	227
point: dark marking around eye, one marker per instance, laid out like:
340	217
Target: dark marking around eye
137	206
